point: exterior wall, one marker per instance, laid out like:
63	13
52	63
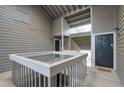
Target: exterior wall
23	29
66	43
57	27
66	27
120	44
103	19
83	42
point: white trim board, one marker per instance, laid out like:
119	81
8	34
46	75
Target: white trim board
93	47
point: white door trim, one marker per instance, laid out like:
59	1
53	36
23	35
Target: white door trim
114	49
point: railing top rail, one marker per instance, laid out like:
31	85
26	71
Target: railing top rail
61	65
48	52
69	59
34	53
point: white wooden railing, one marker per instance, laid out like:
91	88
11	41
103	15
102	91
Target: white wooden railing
48	69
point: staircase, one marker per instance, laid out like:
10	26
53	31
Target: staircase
84	43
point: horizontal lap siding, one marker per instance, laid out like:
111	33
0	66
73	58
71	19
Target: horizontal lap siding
103	18
120	44
83	42
19	37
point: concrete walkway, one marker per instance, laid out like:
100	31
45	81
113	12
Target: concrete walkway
96	78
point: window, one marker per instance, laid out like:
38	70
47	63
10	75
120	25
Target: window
22	16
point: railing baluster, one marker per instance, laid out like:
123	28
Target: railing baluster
26	76
60	79
74	75
33	75
44	81
65	78
21	75
68	77
23	82
52	81
35	79
82	66
85	66
39	80
78	73
18	73
19	70
31	78
49	82
71	76
13	72
56	82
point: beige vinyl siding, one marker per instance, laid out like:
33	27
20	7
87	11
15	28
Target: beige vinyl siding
120	44
74	46
103	18
19	37
66	43
83	42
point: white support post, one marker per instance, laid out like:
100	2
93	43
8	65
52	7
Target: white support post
69	43
62	34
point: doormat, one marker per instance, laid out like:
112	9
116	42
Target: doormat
104	69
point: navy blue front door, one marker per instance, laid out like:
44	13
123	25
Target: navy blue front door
104	50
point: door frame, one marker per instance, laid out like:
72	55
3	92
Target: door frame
114	48
59	43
